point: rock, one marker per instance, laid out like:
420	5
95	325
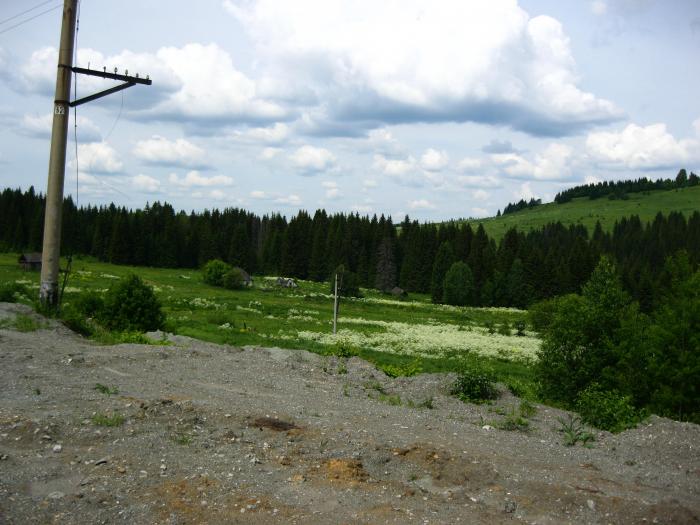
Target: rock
487	427
121	470
591	504
57	448
56	495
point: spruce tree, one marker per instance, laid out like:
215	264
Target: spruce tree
386	267
444	259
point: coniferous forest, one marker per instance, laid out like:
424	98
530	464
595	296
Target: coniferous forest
519	269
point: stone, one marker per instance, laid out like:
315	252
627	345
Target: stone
57	448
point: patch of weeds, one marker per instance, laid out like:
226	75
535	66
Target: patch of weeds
103	389
342	368
103	420
343	348
410	369
346	392
426	403
527	409
475	385
37	391
521	389
375	385
26	323
574	431
490	327
181	439
13	293
513	420
607	410
504	328
389	399
520	328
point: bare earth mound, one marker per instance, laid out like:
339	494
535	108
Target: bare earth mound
193	432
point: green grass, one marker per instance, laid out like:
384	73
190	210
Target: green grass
587	212
103	420
270	316
22	323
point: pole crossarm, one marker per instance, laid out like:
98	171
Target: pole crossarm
127	79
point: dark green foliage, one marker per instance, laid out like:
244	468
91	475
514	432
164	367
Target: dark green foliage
131	305
213	272
386	266
11	292
574	431
88	303
607	410
444	259
232	279
475	385
458	288
541	314
348	283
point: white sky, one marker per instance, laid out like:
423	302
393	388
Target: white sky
439	109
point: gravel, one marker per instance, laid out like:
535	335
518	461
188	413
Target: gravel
203	433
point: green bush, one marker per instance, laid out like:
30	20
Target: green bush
213	272
88	303
607	410
76	321
476	385
541	314
11	292
131	305
232	279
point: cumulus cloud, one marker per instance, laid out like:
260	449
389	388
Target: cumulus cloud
270	153
641	147
499	146
258	194
433	160
97	157
480	195
272	135
39	126
394	167
552	164
145	183
309	159
184	90
519	70
479	212
421	204
469	164
161	151
477	181
332	190
289	200
195	179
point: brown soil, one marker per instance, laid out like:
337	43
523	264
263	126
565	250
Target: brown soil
214	434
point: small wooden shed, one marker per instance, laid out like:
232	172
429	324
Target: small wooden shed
30	261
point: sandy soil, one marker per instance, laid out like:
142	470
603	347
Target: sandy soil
216	434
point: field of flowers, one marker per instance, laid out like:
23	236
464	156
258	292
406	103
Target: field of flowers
377	327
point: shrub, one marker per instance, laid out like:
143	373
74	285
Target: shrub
213	272
89	303
11	292
476	385
131	305
541	314
232	279
607	410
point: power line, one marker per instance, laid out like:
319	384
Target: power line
29	19
25	12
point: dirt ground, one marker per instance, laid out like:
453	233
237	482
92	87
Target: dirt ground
216	434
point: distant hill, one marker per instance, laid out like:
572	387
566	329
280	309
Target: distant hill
586	211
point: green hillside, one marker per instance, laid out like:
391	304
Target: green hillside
586	211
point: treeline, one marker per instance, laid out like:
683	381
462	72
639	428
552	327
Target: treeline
522	204
521	268
620	189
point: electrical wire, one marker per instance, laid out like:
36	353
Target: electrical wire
26	11
29	19
114	124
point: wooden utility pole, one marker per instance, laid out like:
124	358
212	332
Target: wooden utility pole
48	292
335	304
51	251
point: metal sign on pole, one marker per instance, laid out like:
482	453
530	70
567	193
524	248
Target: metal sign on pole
51	248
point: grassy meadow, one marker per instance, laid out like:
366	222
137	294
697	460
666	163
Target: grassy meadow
397	335
587	212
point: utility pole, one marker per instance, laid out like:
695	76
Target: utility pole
335	304
51	251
